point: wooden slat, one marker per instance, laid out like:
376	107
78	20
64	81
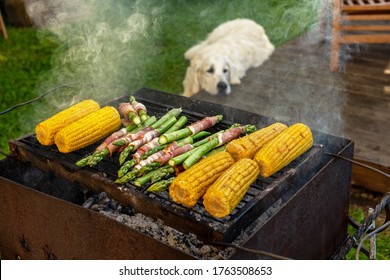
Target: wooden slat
387	69
365	27
2	28
365	8
366	17
365	39
369	179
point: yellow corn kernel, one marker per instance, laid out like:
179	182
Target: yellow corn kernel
191	184
88	130
47	129
249	145
229	189
283	149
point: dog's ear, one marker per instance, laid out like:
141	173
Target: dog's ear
191	81
234	76
193	51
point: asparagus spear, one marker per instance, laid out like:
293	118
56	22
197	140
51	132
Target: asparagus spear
126	167
129	176
200	134
216	150
160	172
179	124
160	186
148	168
195	156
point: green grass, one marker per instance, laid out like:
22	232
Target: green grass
24	60
382	239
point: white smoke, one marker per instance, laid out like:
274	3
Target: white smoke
104	45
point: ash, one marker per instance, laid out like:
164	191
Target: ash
188	243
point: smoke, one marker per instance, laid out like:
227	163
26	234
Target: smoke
104	46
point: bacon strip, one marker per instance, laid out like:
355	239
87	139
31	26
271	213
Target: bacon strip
125	109
203	124
116	135
157	156
131	137
138	106
147	137
171	154
229	135
144	148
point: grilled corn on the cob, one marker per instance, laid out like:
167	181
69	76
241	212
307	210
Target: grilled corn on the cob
283	149
229	189
88	130
191	184
247	146
47	129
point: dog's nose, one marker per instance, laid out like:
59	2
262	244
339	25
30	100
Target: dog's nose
221	86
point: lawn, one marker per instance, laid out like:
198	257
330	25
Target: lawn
122	47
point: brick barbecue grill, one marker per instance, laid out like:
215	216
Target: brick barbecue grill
300	212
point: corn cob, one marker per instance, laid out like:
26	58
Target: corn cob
47	129
229	189
88	130
191	184
249	145
283	149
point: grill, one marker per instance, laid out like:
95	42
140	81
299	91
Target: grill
311	192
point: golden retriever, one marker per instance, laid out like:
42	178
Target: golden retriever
224	57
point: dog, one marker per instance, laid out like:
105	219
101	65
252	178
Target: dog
224	57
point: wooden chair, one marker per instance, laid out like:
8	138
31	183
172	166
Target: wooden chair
358	22
2	28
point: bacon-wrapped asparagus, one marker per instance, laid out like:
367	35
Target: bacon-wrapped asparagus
131	163
220	140
163	156
192	129
135	144
129	113
152	162
154	142
139	108
133	112
173	113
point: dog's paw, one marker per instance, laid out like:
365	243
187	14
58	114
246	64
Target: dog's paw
235	81
187	94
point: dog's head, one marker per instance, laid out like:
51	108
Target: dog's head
209	72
